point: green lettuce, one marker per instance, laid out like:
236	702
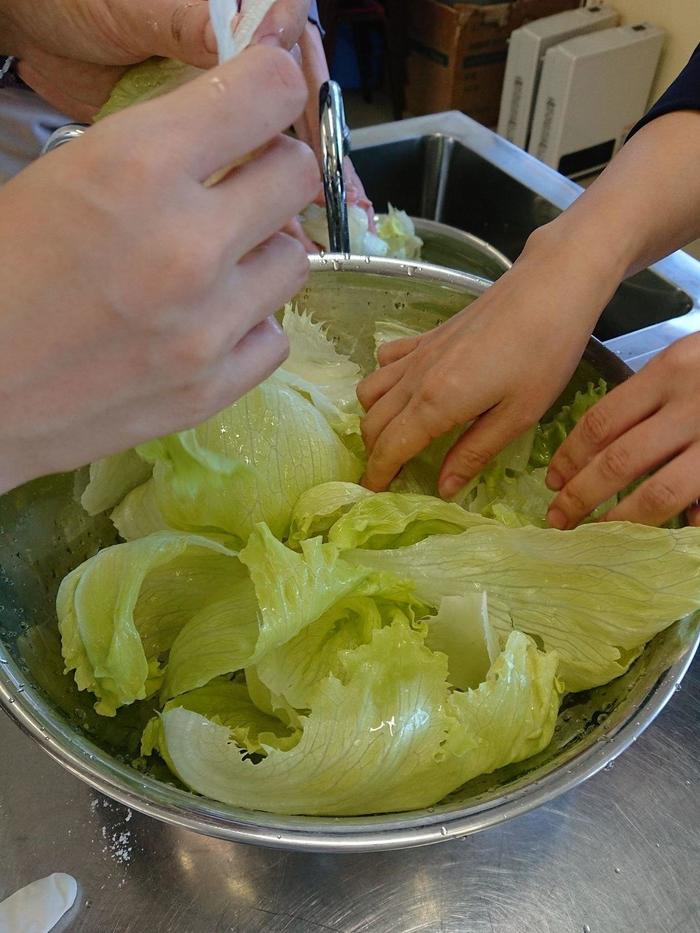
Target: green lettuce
595	595
318	509
112	479
120	611
284	593
248	464
404	739
395	237
146	81
462	631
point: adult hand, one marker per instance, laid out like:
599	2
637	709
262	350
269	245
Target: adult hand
136	301
485	365
284	25
72	54
651	422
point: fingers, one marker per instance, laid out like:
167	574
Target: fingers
223	116
242	300
284	24
77	89
173	28
382	414
396	350
664	495
376	386
476	449
290	262
262	196
401	440
639	450
295	229
614	414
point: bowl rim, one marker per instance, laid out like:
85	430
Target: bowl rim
119	781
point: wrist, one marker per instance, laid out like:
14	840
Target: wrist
571	246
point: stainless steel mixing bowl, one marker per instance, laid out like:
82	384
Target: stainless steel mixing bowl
44	533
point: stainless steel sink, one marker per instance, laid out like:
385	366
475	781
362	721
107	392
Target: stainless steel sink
450	169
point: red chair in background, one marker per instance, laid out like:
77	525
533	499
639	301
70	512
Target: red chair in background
365	17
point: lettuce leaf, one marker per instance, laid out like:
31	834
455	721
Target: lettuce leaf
111	479
283	594
227	702
146	81
595	595
318	509
398	231
462	630
395	237
120	611
362	241
394	520
551	434
248	464
404	740
138	515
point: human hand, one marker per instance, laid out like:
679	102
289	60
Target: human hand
485	364
284	25
136	301
72	54
651	422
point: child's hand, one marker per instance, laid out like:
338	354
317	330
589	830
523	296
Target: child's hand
651	422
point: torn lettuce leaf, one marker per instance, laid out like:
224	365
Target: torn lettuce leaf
595	595
227	702
111	479
398	231
248	464
404	741
462	631
389	520
120	611
363	242
284	593
158	76
318	509
138	515
146	81
551	434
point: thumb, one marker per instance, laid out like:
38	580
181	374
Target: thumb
175	29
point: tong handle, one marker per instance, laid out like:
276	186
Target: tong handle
335	146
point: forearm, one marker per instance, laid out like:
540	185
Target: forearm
645	204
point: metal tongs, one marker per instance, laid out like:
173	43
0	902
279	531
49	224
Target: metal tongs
335	146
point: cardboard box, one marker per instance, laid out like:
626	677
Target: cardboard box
457	53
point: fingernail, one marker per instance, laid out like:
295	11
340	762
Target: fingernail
554	480
557	519
450	486
210	43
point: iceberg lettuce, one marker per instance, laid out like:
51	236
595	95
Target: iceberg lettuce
404	739
595	595
120	611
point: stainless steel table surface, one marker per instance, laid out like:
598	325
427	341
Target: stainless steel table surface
619	853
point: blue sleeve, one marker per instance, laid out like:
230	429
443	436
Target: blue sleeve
683	94
313	15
